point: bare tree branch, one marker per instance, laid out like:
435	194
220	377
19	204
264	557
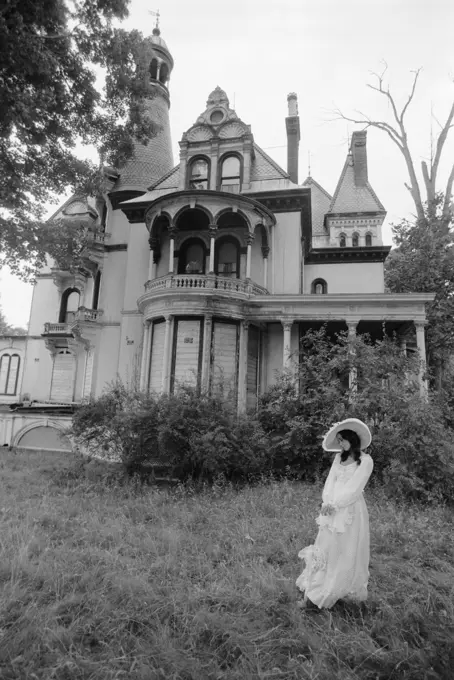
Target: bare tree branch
409	100
446	215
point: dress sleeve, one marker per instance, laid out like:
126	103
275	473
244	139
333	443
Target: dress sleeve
329	483
354	487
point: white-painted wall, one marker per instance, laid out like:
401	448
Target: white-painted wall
346	277
286	253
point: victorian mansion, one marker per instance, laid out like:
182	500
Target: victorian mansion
207	272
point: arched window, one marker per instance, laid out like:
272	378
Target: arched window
154	69
192	257
70	302
198	174
164	73
368	239
96	288
231	174
355	240
342	241
227	258
319	287
9	374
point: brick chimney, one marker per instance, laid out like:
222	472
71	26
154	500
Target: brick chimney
292	123
358	150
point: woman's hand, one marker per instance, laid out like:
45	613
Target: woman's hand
328	509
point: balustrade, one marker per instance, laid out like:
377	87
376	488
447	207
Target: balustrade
205	282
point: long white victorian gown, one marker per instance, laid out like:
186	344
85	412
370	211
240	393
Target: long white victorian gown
337	564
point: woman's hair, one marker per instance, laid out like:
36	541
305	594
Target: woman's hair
355	445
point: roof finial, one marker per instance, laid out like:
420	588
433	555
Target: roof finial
309	163
156	14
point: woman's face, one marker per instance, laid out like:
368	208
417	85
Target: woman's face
343	443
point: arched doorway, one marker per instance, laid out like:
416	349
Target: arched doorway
192	257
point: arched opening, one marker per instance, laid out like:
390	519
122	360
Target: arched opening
70	302
355	240
192	257
96	288
342	241
44	437
198	173
231	220
164	73
154	69
227	257
9	374
368	240
230	176
319	287
192	219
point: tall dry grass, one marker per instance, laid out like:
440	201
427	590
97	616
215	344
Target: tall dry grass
109	583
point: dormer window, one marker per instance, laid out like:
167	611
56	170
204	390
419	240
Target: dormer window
231	175
319	287
198	175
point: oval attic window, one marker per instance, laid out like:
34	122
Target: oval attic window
216	117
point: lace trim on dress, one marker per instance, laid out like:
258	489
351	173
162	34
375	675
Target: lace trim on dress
337	523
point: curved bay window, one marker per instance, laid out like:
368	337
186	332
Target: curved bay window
355	240
192	257
231	174
342	241
198	174
70	302
154	69
368	240
319	287
227	258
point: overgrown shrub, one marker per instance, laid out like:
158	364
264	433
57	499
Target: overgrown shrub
412	441
191	434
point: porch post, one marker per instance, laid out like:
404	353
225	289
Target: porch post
153	242
263	359
206	355
287	326
212	229
353	375
265	253
167	355
242	368
143	363
172	233
421	344
250	241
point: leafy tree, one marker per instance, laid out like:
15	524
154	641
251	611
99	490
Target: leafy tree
423	262
49	50
428	207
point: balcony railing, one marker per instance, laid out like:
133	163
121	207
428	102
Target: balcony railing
204	282
80	316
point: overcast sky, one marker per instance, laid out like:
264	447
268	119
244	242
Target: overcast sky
324	50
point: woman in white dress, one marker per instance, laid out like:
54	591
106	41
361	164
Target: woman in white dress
337	564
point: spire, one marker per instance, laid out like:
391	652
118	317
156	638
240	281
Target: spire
151	161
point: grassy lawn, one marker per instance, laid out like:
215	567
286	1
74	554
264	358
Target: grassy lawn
164	585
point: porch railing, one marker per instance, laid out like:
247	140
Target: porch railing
201	282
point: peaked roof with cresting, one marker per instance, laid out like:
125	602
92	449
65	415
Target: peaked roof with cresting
351	198
320	202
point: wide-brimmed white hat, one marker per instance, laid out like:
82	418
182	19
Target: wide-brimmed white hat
329	440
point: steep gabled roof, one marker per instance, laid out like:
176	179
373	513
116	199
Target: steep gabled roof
351	198
263	167
320	203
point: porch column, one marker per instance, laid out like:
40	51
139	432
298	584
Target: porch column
263	359
143	363
206	355
353	375
249	241
421	344
153	242
242	368
167	355
172	234
287	326
265	253
213	230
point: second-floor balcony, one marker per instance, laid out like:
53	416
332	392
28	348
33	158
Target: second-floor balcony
83	315
200	284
